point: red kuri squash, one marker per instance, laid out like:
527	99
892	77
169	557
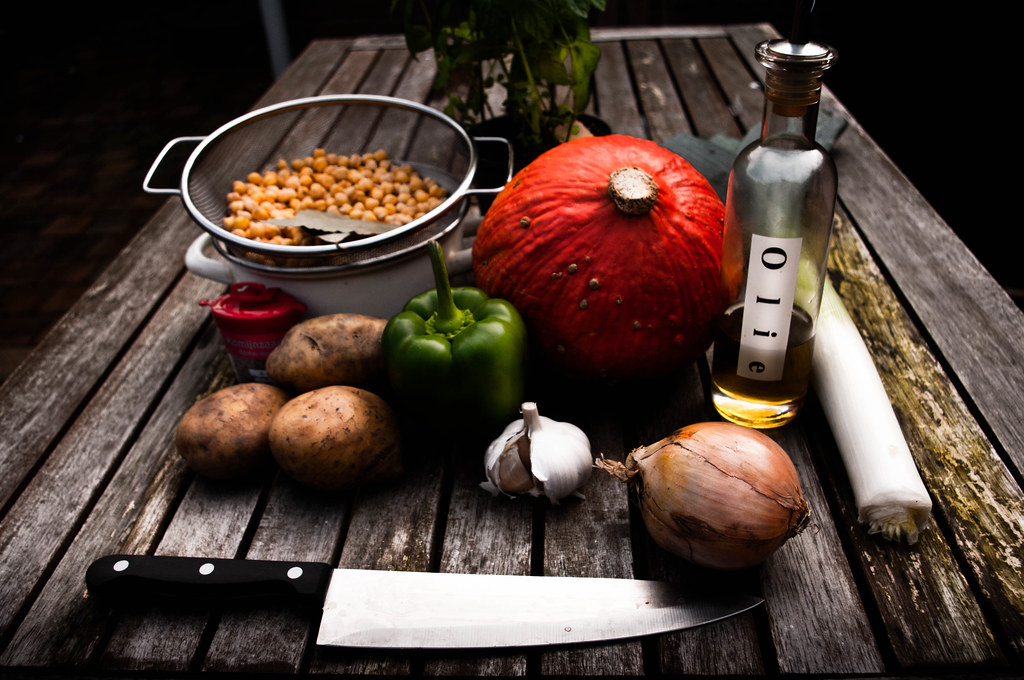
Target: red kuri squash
610	248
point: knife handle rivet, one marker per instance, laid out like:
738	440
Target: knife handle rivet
206	569
120	565
294	572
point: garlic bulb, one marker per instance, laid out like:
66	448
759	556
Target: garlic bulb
538	456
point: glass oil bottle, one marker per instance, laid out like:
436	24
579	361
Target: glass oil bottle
778	225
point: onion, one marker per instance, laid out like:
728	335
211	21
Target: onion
717	494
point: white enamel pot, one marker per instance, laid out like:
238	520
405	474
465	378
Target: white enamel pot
373	275
378	289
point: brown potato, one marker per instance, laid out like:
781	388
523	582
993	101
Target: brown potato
226	433
336	349
337	438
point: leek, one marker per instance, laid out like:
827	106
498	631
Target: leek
887	488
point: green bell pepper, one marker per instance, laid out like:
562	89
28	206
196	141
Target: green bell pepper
457	351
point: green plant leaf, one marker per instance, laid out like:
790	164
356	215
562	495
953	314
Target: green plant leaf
534	48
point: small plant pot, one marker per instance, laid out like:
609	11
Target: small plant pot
491	171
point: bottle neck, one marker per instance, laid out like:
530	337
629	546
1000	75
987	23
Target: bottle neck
792	87
783	119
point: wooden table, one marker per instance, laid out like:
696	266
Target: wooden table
89	466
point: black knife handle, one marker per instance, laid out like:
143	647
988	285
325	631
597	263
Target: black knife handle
154	576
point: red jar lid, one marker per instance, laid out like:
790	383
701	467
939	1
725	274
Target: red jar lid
254	308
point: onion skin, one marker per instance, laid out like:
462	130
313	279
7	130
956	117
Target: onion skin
717	494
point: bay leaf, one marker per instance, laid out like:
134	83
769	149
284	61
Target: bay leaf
338	227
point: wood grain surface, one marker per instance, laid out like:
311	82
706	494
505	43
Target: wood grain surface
87	427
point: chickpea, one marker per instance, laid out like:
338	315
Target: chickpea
366	186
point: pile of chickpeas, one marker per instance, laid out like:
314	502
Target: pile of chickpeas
360	186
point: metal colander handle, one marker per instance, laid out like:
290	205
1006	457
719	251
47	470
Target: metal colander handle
147	182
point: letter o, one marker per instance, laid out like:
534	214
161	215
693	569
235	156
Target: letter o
773	263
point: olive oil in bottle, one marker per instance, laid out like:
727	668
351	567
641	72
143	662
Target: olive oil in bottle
778	225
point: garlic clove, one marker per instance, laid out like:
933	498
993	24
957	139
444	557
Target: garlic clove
563	464
513	466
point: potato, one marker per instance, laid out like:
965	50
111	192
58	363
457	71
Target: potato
337	438
226	433
336	349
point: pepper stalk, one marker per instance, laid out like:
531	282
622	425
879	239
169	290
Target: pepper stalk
448	320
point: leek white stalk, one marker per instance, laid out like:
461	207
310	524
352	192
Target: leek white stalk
538	456
887	488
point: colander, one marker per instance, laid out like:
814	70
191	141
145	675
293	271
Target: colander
412	133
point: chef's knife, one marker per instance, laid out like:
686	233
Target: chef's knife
401	609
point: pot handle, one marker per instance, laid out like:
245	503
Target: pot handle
197	262
160	159
459	261
495	190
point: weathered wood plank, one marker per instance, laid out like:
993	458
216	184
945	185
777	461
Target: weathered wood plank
64	626
297	524
659	101
40	398
122	297
818	622
926	609
591	537
921	593
613	93
309	72
392	528
702	97
52	507
483	534
746	37
210	522
975	326
633	33
730	70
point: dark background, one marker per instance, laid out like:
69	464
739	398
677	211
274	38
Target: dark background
94	91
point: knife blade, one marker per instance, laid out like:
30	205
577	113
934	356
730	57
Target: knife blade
418	610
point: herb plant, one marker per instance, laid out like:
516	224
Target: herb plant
539	50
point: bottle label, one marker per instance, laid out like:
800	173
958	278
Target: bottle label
768	306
